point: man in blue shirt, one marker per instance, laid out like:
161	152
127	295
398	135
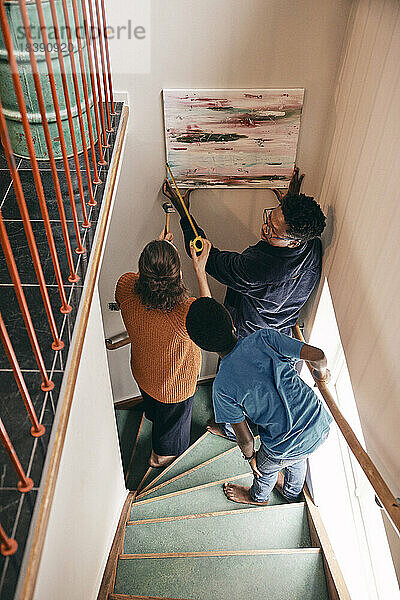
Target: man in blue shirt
257	380
268	283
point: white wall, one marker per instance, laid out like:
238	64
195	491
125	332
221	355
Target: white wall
221	44
90	488
361	189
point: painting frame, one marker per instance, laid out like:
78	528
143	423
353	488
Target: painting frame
232	138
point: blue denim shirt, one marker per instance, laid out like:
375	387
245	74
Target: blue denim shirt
257	379
267	285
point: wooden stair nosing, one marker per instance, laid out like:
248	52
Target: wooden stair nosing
128	403
196	487
214	553
145	476
108	580
177	460
134	448
236	511
192	470
134	597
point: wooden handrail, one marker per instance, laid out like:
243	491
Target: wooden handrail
383	492
119	343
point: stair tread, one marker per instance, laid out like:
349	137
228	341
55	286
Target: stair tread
136	597
195	500
227	464
128	423
206	447
227	577
283	527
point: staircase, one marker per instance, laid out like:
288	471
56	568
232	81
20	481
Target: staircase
181	538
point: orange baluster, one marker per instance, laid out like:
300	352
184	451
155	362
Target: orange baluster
86	224
25	484
96	61
95	102
37	428
12	268
80	249
97	179
65	308
5	140
73	276
103	9
8	545
92	201
105	90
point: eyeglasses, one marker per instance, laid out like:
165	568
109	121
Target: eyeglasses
270	231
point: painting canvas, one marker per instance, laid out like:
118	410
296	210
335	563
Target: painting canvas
232	138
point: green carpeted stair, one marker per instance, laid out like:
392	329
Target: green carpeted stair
198	453
185	540
257	529
227	464
268	575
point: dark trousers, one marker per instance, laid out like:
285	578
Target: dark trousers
171	424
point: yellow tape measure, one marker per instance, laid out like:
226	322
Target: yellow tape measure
197	242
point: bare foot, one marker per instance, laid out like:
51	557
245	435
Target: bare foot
241	494
215	429
157	461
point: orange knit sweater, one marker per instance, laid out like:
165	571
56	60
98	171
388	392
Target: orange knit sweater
164	360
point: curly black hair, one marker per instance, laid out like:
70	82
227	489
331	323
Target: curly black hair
210	325
303	216
160	285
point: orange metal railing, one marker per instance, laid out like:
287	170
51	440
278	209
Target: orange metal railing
72	76
8	545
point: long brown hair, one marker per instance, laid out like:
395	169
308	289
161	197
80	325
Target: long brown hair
159	284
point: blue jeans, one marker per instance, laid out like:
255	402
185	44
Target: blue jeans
295	473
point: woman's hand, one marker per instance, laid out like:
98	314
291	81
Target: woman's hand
199	265
200	261
168	237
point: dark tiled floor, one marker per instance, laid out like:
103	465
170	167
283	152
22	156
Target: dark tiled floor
16	509
10	207
5	181
16	234
16	326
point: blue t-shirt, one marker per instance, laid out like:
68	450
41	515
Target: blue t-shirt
258	380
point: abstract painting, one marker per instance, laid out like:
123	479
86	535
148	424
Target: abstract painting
232	138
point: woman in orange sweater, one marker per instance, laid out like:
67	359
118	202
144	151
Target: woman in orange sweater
165	362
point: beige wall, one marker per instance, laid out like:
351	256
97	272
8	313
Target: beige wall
221	44
361	190
90	489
